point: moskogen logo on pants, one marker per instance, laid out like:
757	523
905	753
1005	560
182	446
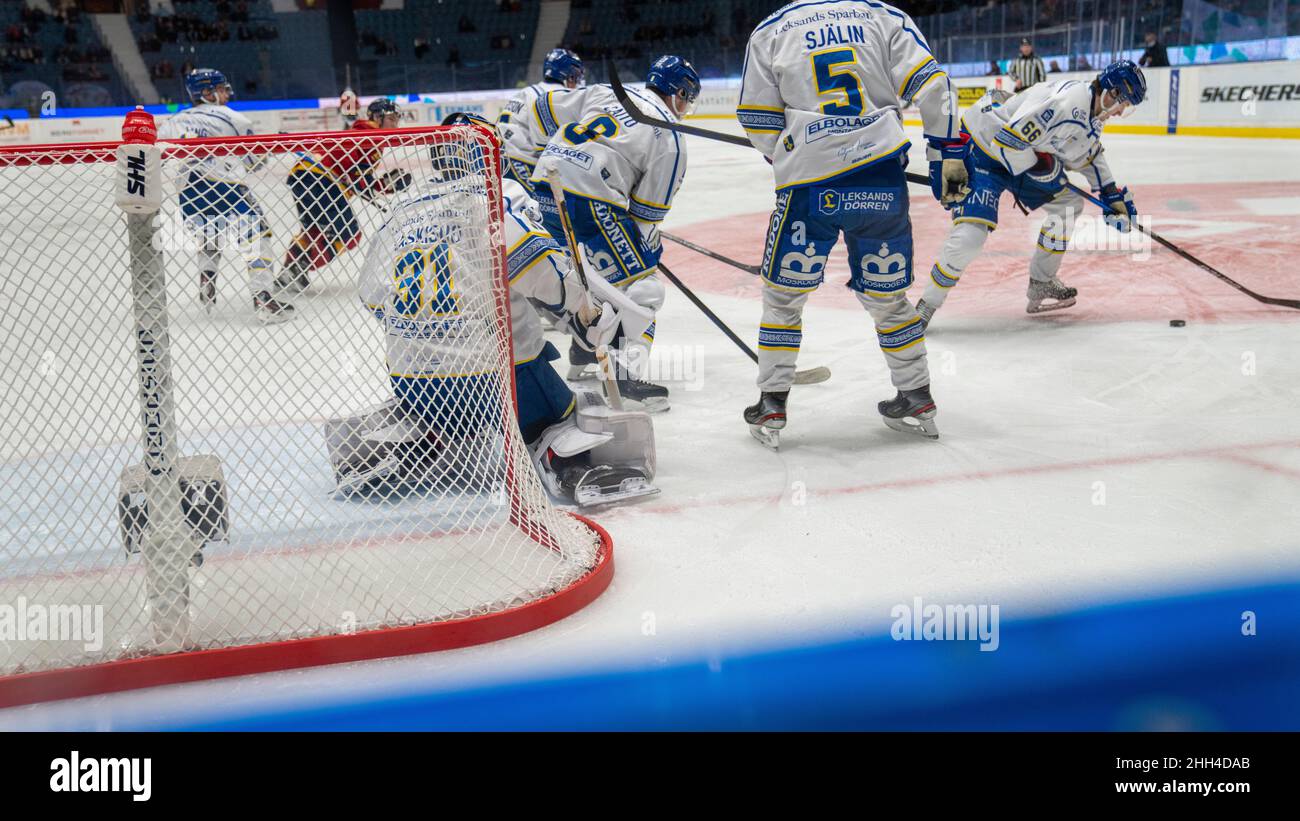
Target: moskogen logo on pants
77	774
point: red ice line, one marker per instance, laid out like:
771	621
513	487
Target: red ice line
1227	452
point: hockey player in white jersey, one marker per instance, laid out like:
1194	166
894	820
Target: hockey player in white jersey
216	202
619	178
822	91
418	275
561	70
1024	144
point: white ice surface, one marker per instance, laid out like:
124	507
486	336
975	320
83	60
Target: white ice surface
1198	463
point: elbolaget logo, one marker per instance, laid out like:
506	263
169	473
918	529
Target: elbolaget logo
837	125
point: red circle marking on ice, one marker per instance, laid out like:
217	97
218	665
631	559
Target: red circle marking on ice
1249	231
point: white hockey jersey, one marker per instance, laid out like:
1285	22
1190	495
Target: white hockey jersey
210	120
511	122
604	154
428	277
824	85
1049	118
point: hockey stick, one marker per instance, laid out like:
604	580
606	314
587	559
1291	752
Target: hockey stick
1215	272
700	249
640	116
621	94
808	377
602	355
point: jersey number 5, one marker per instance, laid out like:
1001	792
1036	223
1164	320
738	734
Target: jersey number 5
579	133
841	86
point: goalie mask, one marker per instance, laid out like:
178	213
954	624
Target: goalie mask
455	159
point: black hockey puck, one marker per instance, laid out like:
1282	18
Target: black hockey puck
1177	323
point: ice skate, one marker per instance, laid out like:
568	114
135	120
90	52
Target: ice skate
605	484
647	396
766	418
911	412
292	280
270	311
1059	294
582	363
208	290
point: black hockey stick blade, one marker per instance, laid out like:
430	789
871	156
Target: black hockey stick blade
1204	266
641	117
806	377
700	249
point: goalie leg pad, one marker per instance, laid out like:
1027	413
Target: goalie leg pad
388	451
597	456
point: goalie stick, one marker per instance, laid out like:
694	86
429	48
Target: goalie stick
607	376
635	113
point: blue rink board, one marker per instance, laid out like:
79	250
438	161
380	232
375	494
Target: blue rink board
1179	663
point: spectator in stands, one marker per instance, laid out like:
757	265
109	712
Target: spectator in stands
453	57
995	70
466	25
1027	69
1156	56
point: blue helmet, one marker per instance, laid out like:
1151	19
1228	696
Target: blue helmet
561	66
1125	79
205	79
672	75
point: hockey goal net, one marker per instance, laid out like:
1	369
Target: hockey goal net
187	490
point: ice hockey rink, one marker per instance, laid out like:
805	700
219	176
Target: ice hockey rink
1091	455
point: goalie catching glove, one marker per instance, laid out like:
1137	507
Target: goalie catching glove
1119	212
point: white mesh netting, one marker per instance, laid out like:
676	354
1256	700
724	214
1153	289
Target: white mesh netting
273	488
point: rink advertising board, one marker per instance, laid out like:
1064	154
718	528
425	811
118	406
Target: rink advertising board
1237	99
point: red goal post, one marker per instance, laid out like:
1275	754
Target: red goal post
170	492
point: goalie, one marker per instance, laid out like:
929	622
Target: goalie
428	280
322	185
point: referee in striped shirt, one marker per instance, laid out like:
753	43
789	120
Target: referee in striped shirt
1028	68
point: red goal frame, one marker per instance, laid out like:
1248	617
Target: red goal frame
266	657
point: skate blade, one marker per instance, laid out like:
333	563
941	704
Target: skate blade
914	425
266	318
769	438
1042	308
655	405
582	373
633	487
